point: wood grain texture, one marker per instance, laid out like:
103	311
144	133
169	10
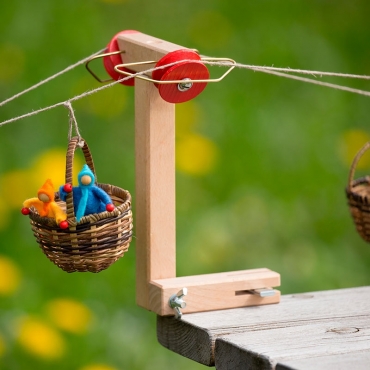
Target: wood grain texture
155	189
155	168
359	360
140	47
214	291
191	342
325	326
304	346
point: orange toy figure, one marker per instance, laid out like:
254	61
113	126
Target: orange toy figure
46	206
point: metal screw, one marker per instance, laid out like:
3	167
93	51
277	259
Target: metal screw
263	292
185	86
176	302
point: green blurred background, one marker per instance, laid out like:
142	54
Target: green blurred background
262	163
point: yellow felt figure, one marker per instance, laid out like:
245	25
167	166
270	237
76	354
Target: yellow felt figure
46	205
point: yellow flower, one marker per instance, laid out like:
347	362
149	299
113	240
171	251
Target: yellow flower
69	315
195	155
187	116
40	339
98	367
4	220
351	142
10	276
51	164
15	188
19	185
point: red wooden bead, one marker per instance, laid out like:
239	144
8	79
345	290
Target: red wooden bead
110	207
67	188
173	93
63	225
110	61
25	211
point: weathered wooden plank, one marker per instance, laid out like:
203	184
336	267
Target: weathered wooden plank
185	339
294	312
355	360
304	346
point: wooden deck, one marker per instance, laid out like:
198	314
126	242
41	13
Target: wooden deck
318	330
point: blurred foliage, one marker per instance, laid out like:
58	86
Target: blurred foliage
262	163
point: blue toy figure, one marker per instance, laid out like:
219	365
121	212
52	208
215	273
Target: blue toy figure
87	197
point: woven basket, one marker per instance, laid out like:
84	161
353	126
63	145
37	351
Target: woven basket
97	240
358	195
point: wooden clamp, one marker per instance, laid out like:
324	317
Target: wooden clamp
156	279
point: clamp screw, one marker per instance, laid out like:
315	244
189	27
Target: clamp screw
176	302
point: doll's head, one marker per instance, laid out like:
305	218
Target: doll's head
86	177
46	192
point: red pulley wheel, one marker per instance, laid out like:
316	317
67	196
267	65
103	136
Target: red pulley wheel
110	61
186	70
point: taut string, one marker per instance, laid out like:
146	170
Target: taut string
82	61
281	72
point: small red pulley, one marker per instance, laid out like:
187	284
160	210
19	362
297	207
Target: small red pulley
175	83
111	60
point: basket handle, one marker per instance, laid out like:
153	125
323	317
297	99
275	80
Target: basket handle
358	156
72	146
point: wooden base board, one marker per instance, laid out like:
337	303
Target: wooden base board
214	291
315	330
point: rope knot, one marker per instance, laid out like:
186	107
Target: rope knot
73	123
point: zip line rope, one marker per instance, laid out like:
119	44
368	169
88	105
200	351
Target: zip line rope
82	61
281	72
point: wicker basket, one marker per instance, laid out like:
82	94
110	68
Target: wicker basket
358	193
97	240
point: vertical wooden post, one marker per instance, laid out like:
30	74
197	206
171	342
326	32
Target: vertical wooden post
155	222
155	189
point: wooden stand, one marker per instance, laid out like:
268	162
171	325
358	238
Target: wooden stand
155	205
